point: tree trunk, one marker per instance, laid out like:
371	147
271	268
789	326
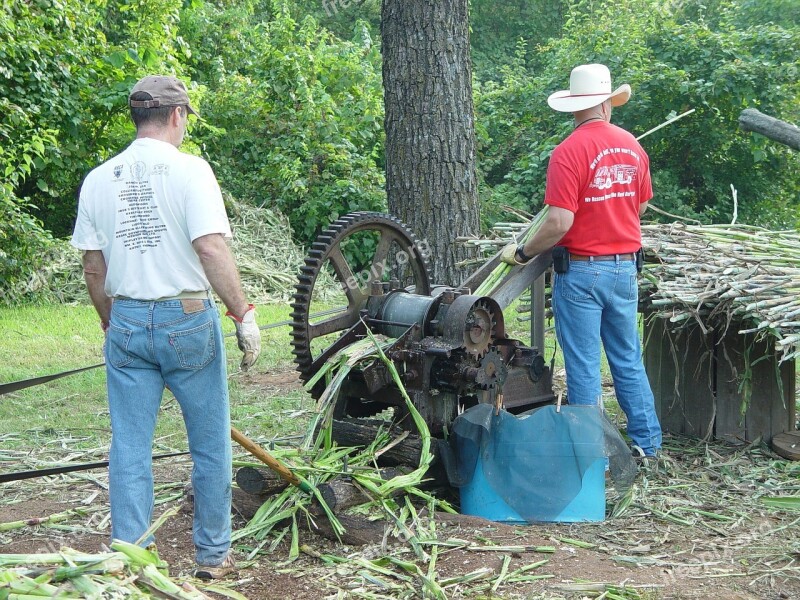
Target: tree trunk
362	432
430	128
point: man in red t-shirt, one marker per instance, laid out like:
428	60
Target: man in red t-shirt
598	186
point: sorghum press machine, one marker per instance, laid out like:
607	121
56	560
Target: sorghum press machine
449	345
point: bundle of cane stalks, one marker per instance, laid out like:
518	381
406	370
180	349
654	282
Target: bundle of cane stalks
718	275
713	276
127	571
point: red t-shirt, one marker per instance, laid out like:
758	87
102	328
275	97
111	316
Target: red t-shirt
601	174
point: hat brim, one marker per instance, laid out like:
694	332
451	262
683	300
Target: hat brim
563	102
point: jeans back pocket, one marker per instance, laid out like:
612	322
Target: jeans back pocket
578	283
116	346
195	347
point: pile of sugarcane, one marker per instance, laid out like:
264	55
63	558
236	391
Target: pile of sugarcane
128	571
318	460
267	257
715	276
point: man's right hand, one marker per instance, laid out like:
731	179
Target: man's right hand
248	336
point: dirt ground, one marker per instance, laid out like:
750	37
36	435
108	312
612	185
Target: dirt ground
272	578
650	558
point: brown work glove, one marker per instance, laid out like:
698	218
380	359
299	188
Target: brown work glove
509	255
248	336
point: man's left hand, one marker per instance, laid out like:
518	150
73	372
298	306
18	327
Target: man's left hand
509	255
248	336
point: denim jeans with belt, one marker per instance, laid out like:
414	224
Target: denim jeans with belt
594	301
150	344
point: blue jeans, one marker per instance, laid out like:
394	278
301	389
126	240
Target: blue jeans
148	345
594	301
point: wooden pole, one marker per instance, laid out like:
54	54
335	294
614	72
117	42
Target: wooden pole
269	460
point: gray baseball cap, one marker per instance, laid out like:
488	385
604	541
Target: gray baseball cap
164	90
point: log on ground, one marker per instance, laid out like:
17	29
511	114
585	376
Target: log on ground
359	531
362	432
258	481
341	493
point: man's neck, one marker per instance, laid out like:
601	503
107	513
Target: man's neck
156	134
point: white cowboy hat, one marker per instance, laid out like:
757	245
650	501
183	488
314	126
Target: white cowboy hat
589	85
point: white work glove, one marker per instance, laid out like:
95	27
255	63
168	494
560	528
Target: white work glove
248	336
509	255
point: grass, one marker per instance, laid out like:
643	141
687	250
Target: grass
702	506
42	340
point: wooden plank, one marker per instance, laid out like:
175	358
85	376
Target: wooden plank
758	420
771	406
662	372
729	424
784	417
706	401
697	382
791	393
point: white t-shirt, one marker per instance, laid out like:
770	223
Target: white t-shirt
143	208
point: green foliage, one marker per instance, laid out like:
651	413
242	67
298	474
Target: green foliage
300	123
339	16
497	28
62	74
672	65
291	94
22	242
63	90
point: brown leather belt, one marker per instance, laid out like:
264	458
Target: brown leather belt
628	256
204	295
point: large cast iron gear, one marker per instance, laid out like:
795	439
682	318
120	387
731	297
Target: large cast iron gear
393	234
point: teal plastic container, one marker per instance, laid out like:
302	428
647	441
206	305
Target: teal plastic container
479	499
548	464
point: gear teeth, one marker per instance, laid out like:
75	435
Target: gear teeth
328	239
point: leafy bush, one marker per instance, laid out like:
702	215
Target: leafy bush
300	124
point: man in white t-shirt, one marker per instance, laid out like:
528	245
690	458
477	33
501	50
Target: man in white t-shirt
152	225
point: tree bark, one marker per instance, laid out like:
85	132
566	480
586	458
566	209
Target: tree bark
430	127
358	531
751	119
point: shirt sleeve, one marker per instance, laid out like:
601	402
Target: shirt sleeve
85	236
646	185
205	210
562	187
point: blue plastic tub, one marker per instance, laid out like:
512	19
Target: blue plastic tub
548	464
479	499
